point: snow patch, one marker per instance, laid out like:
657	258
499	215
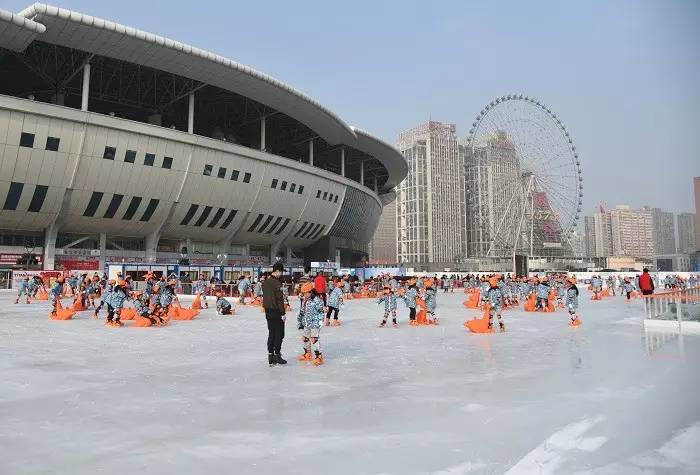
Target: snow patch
467	467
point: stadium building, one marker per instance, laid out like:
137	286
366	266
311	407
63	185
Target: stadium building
121	145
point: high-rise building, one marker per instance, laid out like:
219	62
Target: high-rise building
696	186
664	234
589	233
382	247
578	243
685	225
430	201
632	232
603	233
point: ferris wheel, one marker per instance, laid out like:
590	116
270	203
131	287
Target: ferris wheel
524	187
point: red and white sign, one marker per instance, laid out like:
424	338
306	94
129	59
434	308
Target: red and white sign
11	259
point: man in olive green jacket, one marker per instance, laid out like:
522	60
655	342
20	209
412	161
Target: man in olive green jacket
273	303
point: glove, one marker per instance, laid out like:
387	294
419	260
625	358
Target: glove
301	326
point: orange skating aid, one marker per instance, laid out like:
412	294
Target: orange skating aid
61	313
480	325
473	301
197	303
42	294
141	322
305	357
127	313
530	303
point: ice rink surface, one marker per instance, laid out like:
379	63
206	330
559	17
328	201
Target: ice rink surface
198	396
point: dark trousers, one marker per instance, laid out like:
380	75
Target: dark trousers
275	331
412	313
332	310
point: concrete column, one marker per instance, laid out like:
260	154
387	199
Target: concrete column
103	250
311	152
376	188
86	87
362	173
342	161
49	258
152	246
263	131
190	115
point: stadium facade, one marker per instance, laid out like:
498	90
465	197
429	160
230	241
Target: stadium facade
119	143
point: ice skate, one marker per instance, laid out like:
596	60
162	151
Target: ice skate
502	326
109	322
413	323
382	325
17	301
117	323
206	305
318	361
575	322
305	357
280	360
336	323
271	360
395	325
326	322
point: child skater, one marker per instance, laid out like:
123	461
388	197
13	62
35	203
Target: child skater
572	301
200	287
167	296
430	301
310	319
410	299
335	300
628	288
105	295
223	307
389	299
55	294
23	289
494	297
542	294
120	293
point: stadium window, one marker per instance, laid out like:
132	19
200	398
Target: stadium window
190	214
284	186
113	206
292	187
150	209
234	175
246	178
274	225
52	143
229	218
13	195
335	200
318	194
301	189
149	159
204	216
133	207
284	225
255	223
265	224
167	162
221	173
93	204
325	195
273	185
207	170
130	156
330	197
216	218
110	152
38	198
26	140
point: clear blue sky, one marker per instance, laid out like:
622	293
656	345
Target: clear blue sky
623	75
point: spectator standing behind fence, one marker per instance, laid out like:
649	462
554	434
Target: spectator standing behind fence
273	303
646	283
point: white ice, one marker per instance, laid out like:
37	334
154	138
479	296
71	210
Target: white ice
199	397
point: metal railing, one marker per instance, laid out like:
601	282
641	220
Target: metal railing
678	305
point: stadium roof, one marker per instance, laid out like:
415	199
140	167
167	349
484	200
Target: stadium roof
106	38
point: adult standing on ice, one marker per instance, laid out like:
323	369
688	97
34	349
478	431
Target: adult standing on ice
273	303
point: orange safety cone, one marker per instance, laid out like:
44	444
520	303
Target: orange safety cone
141	322
62	313
197	303
480	325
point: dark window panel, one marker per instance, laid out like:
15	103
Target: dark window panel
284	225
221	173
301	189
273	185
234	175
255	223
303	226
292	187
335	200
26	140
94	203
330	197
167	162
133	207
325	195
274	225
149	159
190	214
52	143
309	231
284	186
207	170
109	153
318	233
246	178
150	209
229	218
204	216
113	206
38	198
265	224
217	216
130	156
13	195
318	194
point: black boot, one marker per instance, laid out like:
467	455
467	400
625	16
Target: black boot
271	359
279	360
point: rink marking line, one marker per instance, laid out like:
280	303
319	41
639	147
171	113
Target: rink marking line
547	457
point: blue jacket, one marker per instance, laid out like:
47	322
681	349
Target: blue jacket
430	299
389	302
222	304
572	297
335	298
311	313
542	290
410	298
118	297
495	297
167	295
